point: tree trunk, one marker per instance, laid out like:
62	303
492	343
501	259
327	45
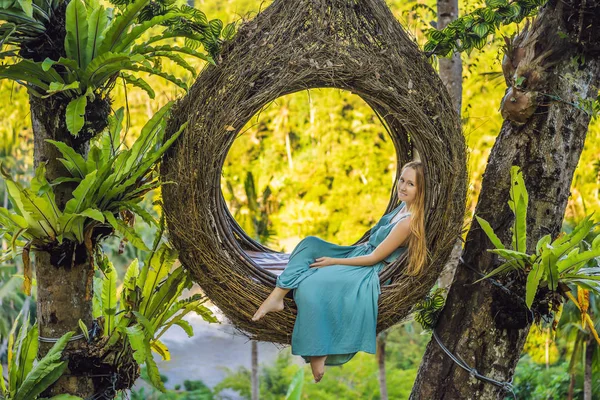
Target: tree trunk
480	323
62	273
254	378
381	363
587	374
571	387
450	71
450	68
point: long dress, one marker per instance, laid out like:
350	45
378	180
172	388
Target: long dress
337	304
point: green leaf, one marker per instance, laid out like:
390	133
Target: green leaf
186	327
131	275
518	204
154	273
82	195
97	25
152	132
542	243
109	299
507	266
490	232
533	281
45	372
146	49
294	391
128	39
481	29
138	342
28	349
75	114
93	214
118	28
75	161
164	75
564	244
177	59
105	65
154	374
549	265
27	7
77	33
97	299
125	230
575	259
57	87
140	83
65	62
508	255
84	329
2	383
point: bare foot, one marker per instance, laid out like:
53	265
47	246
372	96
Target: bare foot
317	364
272	303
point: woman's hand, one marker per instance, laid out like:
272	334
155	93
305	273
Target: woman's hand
323	262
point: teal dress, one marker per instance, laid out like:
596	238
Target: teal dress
337	304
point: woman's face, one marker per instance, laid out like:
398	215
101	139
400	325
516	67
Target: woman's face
407	185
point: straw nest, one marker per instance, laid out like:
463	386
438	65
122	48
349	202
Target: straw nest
290	46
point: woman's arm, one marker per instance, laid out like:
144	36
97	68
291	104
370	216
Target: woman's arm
395	239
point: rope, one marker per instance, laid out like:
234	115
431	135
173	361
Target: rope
54	340
499	285
92	332
507	386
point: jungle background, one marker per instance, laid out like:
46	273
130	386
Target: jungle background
317	163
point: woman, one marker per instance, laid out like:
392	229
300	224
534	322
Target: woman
337	287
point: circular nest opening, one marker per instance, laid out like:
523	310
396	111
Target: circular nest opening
293	46
316	162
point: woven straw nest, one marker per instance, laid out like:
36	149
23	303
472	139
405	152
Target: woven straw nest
296	45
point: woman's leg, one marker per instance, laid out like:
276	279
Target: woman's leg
273	303
317	364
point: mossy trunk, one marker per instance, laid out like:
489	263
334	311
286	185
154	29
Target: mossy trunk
544	135
64	272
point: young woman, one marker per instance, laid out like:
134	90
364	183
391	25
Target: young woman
336	288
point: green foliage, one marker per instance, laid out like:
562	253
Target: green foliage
472	30
355	380
555	261
112	181
253	215
100	48
27	376
148	305
426	311
193	390
533	381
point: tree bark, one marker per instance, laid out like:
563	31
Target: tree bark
450	69
61	272
381	364
544	135
254	378
587	374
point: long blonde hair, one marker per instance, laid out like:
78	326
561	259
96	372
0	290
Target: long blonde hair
417	243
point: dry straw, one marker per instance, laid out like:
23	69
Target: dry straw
291	46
